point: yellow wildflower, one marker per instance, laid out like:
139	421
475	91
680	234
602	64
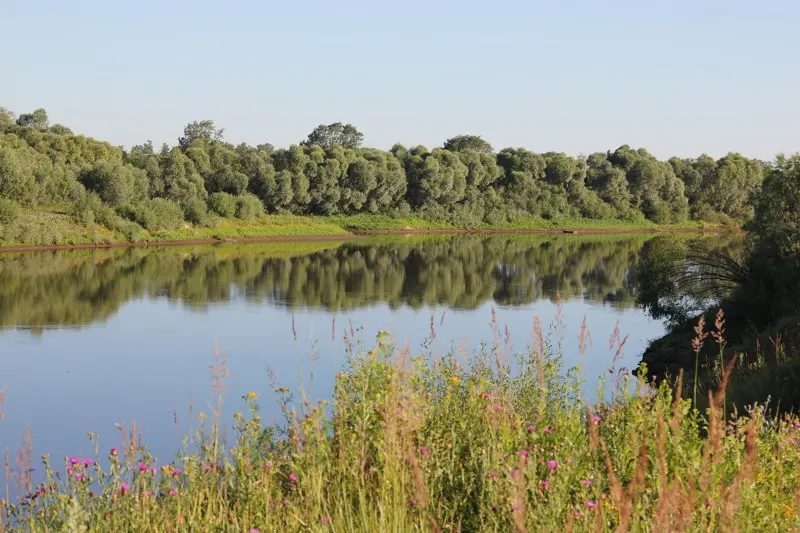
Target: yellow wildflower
454	379
237	416
283	389
251	395
372	353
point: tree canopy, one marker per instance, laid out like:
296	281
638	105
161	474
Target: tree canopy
464	182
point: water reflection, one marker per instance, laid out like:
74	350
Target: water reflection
72	288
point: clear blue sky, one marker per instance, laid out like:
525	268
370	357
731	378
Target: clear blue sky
679	77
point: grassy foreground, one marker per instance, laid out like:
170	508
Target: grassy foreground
484	442
49	226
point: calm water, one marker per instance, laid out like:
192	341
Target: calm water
90	339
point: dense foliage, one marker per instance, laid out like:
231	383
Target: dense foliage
464	182
492	442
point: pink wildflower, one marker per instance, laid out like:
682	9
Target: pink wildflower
175	471
548	429
412	501
325	519
173	492
586	482
113	451
424	451
292	477
143	467
254	530
552	465
87	462
498	407
492	475
545	483
125	488
78	476
531	428
591	505
74	461
595	419
524	453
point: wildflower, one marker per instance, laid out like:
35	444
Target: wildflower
325	519
493	509
292	477
74	461
251	395
577	514
372	353
552	465
586	482
797	424
492	475
382	333
207	468
545	484
454	379
709	503
595	419
143	467
87	462
237	415
486	396
78	476
173	492
412	501
113	451
591	505
524	453
498	407
153	471
147	493
254	530
125	488
283	389
531	428
548	429
175	471
424	451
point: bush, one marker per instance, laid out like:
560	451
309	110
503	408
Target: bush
248	206
9	211
158	214
195	210
223	204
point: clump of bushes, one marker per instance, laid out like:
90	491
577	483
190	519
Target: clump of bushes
9	211
157	214
226	205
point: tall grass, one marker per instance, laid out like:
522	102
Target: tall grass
489	440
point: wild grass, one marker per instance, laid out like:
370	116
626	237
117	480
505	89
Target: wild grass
53	226
485	441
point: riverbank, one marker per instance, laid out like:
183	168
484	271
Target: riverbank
423	444
54	230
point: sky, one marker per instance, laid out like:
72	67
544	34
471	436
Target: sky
678	78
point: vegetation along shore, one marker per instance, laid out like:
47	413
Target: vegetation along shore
59	188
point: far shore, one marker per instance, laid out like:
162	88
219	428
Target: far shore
290	229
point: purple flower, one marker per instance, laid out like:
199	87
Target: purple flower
175	471
586	482
492	475
412	501
591	505
207	468
595	419
524	453
531	428
113	451
545	484
74	460
493	508
173	492
424	451
87	462
498	407
548	429
292	477
125	487
254	530
143	467
709	503
78	476
552	465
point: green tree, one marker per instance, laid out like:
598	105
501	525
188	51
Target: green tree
336	134
204	131
463	143
37	119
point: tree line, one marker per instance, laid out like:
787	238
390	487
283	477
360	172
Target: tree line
465	181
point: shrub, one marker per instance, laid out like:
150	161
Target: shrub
9	211
248	206
195	210
158	214
223	204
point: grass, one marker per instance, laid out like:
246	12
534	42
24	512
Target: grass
53	226
481	441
